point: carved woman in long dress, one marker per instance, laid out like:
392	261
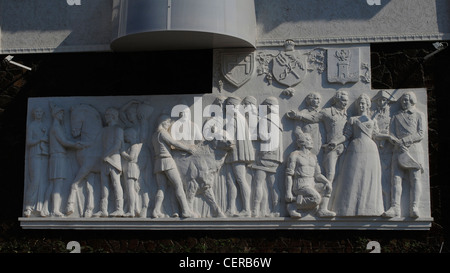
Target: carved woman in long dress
37	144
358	190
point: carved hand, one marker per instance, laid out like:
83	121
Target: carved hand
289	197
293	115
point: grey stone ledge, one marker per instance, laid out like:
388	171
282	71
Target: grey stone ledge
237	223
356	39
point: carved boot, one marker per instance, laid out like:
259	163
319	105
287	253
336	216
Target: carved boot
323	209
71	201
119	209
414	212
292	210
393	211
103	212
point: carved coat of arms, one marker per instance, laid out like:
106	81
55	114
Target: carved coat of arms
288	66
237	67
343	65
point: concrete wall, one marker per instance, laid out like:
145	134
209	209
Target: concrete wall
29	26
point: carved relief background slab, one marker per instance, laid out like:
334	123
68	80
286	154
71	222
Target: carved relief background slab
199	184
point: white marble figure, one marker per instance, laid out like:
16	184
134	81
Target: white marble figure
307	119
241	155
382	114
307	190
111	168
165	168
136	114
357	190
132	171
266	165
86	124
36	194
407	131
58	164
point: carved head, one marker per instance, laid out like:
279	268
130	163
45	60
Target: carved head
313	99
340	99
363	104
164	121
408	100
304	140
111	115
38	113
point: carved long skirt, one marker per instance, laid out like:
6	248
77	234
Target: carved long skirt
358	189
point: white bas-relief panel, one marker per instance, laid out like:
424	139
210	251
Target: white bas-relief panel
262	151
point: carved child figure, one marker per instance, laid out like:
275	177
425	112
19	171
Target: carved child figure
132	171
304	181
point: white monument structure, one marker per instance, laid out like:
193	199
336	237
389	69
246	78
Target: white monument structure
292	136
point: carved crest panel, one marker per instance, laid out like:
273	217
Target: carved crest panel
237	67
343	65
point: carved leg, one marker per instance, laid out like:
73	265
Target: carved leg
231	192
211	200
90	196
329	163
177	183
415	192
118	191
159	198
72	197
56	196
275	193
396	193
239	170
191	190
103	212
260	178
323	208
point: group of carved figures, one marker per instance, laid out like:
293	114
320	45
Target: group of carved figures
367	146
123	151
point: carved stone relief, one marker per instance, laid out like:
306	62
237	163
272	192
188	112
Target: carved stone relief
333	154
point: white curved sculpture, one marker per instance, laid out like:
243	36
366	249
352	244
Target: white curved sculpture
181	24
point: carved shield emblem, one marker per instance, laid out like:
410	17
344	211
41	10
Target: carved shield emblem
288	68
237	67
343	65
